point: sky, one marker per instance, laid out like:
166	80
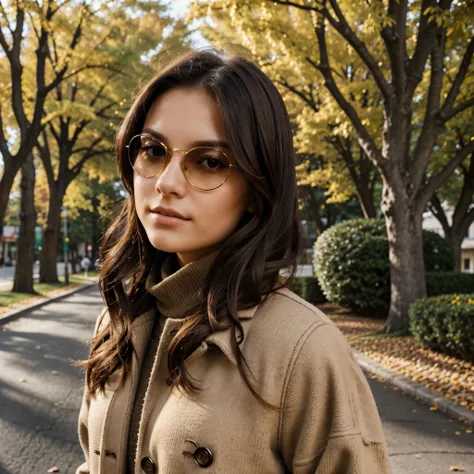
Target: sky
178	8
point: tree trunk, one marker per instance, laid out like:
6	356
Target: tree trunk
6	185
73	253
407	269
23	280
49	250
455	239
366	201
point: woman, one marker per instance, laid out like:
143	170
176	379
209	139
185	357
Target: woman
205	359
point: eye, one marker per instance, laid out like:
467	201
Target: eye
211	162
152	150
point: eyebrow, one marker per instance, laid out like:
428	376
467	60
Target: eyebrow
216	143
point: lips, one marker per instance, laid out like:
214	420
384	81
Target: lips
167	211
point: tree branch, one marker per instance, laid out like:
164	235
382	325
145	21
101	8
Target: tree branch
458	109
426	32
74	41
438	212
395	42
3	41
76	169
296	5
3	142
74	73
344	29
466	197
446	111
430	129
365	139
45	156
436	181
308	100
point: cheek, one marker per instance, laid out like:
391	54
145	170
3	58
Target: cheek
141	191
220	211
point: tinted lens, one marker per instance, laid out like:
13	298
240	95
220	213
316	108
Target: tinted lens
147	155
206	168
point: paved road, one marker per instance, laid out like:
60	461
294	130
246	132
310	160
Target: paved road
38	410
7	274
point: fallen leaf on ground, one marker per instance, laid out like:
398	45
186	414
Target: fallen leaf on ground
450	376
54	469
456	468
54	372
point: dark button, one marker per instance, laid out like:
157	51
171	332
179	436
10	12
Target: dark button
203	457
148	465
169	381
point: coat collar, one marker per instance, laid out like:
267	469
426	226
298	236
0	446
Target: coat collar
222	339
143	324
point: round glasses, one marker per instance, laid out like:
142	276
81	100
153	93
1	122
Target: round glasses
205	167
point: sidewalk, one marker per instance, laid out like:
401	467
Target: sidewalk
19	310
446	383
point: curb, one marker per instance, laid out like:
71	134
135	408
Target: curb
16	313
415	389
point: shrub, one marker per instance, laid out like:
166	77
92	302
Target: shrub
297	286
309	289
352	264
437	251
442	283
445	323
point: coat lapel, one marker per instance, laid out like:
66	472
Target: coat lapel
117	422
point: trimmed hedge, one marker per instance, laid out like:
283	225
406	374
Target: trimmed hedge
309	289
352	264
443	283
445	323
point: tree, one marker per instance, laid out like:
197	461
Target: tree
458	191
28	26
23	278
416	56
92	204
83	111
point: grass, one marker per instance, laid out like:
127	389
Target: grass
9	300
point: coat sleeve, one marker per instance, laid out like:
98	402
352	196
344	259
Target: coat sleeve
330	423
83	420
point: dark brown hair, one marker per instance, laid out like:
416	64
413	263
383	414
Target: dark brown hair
247	266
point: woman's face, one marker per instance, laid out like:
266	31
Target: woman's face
182	117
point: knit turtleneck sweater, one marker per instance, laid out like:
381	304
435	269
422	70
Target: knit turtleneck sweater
176	290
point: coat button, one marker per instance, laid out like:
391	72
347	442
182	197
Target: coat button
148	465
203	457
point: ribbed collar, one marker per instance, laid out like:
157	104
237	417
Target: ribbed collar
178	289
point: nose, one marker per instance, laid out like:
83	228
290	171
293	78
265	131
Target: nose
172	179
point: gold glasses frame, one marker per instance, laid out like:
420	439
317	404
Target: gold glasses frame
169	151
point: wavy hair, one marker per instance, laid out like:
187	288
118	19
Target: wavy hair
247	266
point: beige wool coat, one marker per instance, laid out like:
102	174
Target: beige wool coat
301	363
